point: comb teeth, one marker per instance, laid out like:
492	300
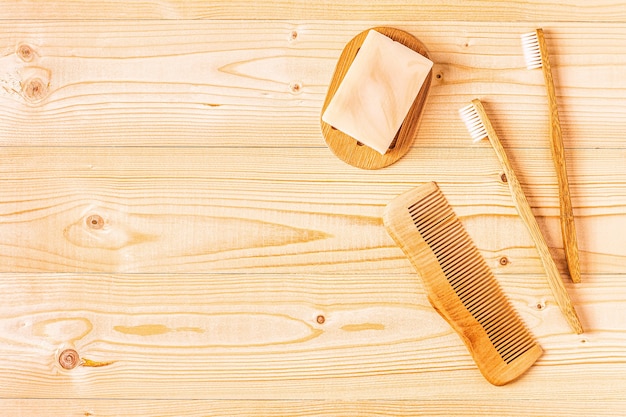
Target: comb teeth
532	52
469	276
474	124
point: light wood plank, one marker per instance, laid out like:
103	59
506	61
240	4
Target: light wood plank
476	10
257	336
234	83
264	210
320	408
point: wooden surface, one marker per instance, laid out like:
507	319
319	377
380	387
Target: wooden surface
236	267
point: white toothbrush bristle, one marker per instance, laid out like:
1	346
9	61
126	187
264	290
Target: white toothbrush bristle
474	124
532	53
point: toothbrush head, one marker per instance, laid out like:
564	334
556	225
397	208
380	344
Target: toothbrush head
532	51
473	122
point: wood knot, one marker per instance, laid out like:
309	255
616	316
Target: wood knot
95	222
504	261
69	359
503	178
25	52
295	87
35	89
293	35
321	319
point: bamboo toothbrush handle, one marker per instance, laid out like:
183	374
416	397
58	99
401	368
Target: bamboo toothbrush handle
570	242
525	212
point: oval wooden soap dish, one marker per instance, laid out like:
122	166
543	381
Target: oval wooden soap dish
345	146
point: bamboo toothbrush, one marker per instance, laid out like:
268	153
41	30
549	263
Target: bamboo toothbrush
479	127
536	56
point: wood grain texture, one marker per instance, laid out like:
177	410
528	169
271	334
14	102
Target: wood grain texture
273	210
168	209
187	83
475	10
311	408
172	336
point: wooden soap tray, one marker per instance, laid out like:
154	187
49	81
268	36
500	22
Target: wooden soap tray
346	147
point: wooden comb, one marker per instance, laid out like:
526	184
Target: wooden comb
459	284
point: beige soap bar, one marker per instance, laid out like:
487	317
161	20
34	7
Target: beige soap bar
377	91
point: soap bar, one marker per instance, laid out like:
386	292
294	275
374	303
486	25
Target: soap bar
377	91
